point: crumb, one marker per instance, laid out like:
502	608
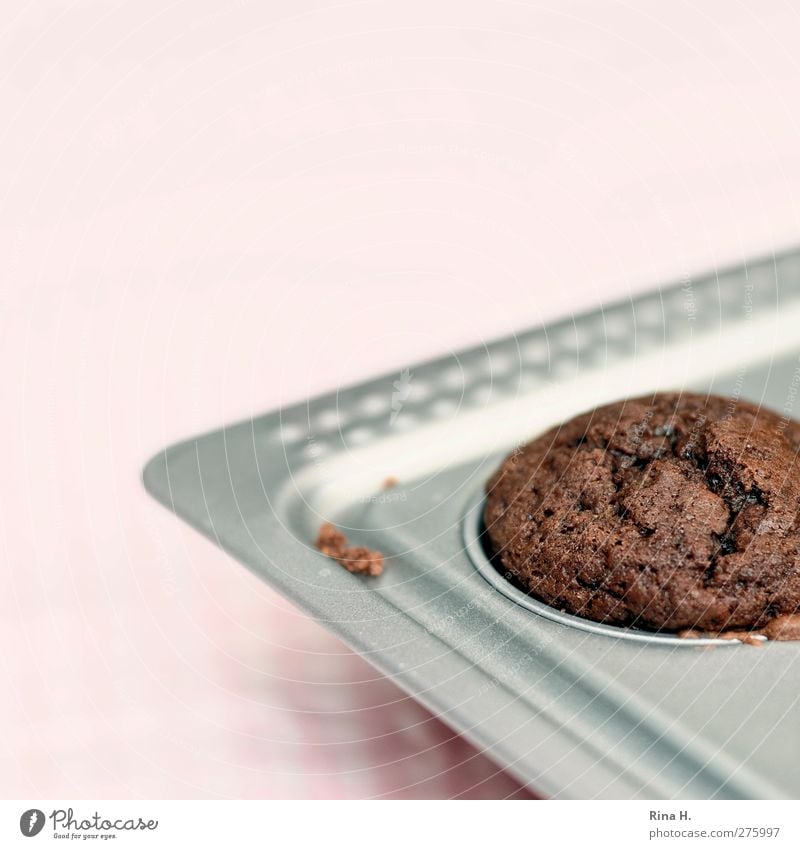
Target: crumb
331	540
390	482
783	627
749	638
355	558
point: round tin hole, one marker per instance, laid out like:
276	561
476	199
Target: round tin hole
358	436
536	350
330	419
374	405
474	542
649	313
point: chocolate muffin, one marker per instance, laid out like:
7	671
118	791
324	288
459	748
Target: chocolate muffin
668	512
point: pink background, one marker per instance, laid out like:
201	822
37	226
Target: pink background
212	208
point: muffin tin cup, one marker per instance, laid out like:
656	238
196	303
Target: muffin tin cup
474	539
574	708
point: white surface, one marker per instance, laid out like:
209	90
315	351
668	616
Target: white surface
211	208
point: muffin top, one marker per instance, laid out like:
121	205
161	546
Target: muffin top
667	512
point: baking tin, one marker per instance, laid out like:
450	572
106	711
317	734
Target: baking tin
574	709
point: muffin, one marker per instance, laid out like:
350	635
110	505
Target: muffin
668	512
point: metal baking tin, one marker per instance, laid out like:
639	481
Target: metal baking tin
574	709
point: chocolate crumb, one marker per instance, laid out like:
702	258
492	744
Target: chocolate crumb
355	558
749	638
783	627
330	540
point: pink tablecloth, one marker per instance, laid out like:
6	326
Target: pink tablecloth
212	208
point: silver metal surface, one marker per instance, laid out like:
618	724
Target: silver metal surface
573	711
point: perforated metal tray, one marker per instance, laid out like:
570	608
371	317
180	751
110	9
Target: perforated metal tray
573	709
